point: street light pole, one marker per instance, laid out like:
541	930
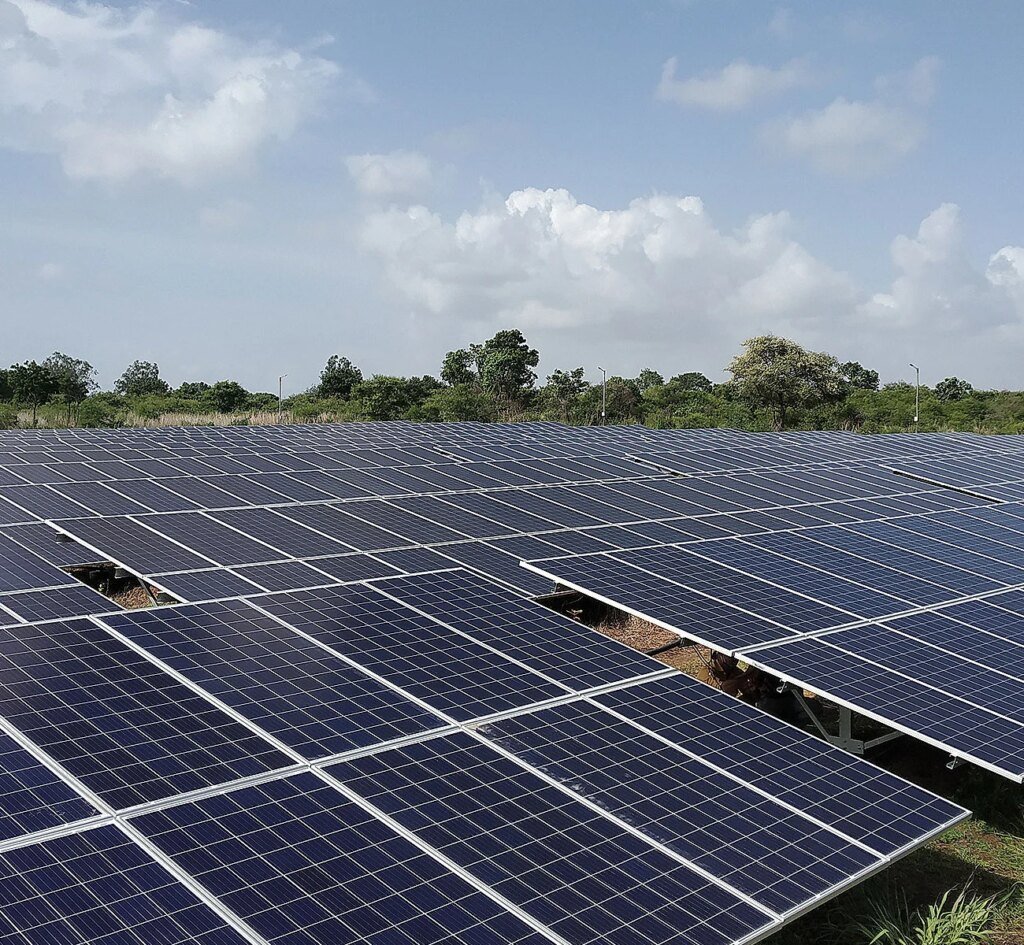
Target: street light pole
604	394
917	400
280	396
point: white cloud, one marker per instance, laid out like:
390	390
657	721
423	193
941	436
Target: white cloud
542	258
859	138
938	287
660	276
736	86
399	173
118	93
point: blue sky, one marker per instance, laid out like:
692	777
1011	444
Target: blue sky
240	189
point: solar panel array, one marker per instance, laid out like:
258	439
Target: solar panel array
357	725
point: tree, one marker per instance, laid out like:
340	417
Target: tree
859	377
505	365
780	375
31	383
6	391
73	380
458	402
692	380
192	390
338	378
459	367
383	397
501	366
952	388
649	378
140	379
228	396
564	389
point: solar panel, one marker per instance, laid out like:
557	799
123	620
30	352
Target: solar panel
900	701
547	642
848	794
100	886
587	878
757	846
301	863
132	544
450	673
315	703
124	728
55	603
32	797
21	570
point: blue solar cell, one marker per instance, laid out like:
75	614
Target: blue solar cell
132	544
206	585
122	726
212	539
856	798
899	700
665	603
547	642
307	698
437	665
765	850
585	877
56	603
303	865
279	532
21	570
100	886
31	796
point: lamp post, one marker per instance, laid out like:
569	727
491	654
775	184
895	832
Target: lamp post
917	399
280	396
604	393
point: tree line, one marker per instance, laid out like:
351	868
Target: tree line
775	384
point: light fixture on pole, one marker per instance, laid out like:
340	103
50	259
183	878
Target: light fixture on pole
917	399
280	396
604	393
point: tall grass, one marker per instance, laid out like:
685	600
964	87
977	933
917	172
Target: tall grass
961	920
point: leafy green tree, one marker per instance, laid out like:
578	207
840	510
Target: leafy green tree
563	389
191	390
338	378
228	396
31	383
648	377
102	410
952	388
6	391
140	379
73	380
506	362
690	381
859	377
459	367
459	402
784	377
383	397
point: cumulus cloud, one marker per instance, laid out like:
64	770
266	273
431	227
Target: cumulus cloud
858	138
660	271
937	286
396	174
541	258
736	86
117	93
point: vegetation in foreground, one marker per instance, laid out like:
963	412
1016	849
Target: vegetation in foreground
775	384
